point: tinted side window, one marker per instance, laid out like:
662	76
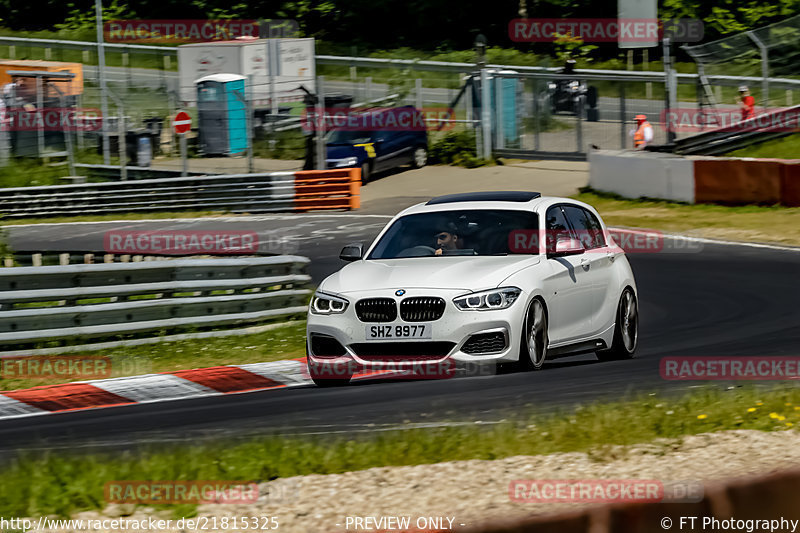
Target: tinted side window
596	229
557	228
586	226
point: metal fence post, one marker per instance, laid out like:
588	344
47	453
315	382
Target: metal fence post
500	130
623	135
418	92
320	118
764	68
248	102
101	71
367	88
486	115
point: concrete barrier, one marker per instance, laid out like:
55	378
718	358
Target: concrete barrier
728	181
642	174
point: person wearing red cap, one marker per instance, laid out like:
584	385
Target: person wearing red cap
643	134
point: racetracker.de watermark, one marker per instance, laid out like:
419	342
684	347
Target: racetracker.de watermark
597	241
605	30
604	491
180	492
397	367
181	242
187	30
379	119
55	367
51	119
730	368
689	120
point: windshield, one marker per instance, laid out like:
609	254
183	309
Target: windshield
349	137
475	232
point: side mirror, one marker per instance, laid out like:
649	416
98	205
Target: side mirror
352	252
568	247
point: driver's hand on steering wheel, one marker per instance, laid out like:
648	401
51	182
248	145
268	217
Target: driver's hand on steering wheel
438	251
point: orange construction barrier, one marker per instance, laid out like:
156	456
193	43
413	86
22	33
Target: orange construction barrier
327	189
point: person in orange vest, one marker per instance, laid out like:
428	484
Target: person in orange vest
643	134
748	103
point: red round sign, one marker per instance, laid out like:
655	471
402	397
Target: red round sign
182	122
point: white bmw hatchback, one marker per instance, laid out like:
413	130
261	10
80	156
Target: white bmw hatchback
494	278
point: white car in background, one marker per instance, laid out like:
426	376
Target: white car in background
499	278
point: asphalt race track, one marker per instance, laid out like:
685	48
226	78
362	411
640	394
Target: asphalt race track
723	300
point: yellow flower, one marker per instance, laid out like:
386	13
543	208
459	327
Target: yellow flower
774	415
789	424
759	403
787	404
702	417
752	409
797	408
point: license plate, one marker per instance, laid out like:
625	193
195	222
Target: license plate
382	332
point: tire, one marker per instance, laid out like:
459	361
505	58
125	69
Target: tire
533	345
366	173
420	157
626	329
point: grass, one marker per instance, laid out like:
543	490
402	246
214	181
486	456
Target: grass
780	225
784	148
274	345
63	483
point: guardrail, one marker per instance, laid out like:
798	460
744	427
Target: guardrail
237	193
757	129
95	302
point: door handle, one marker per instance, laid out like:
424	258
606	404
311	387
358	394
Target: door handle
611	256
585	263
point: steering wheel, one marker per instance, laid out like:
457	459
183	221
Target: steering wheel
417	251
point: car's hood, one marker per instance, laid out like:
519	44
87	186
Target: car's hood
465	273
343	151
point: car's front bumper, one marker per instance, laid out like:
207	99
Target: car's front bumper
452	336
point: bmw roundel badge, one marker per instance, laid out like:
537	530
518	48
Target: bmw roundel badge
399	292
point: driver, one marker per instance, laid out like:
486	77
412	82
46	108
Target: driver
447	238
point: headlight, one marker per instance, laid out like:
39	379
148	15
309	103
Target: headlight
488	300
349	162
327	304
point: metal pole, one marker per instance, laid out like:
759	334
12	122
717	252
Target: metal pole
320	119
123	145
248	102
101	70
40	109
184	168
764	68
67	134
623	135
500	130
486	115
418	92
579	125
272	64
537	110
668	73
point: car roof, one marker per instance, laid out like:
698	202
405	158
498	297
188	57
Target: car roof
513	200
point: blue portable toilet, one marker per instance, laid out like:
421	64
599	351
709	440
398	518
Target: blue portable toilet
505	108
222	114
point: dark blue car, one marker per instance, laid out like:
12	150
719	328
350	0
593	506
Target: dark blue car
402	141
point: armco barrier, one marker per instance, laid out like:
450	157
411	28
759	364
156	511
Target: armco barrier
729	181
92	302
772	497
237	193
